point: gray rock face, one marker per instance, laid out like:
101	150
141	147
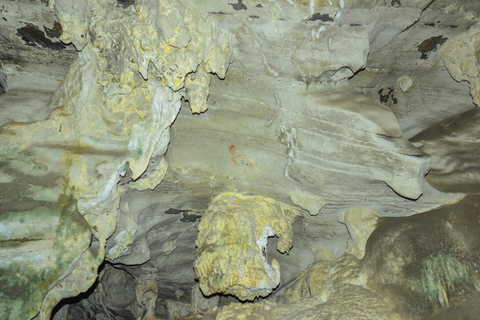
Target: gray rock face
413	50
431	270
122	121
34	60
455	158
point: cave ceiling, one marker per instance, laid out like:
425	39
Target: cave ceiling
280	159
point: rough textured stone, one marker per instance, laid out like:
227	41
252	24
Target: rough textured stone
40	247
200	303
231	245
460	57
108	118
323	277
348	302
309	156
314	111
360	224
31	36
413	49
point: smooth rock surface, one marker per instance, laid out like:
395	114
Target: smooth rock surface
414	50
453	145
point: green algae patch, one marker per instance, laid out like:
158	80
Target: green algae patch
22	289
23	284
38	223
442	275
139	154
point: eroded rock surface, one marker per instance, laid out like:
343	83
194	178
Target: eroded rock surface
231	245
305	137
460	57
108	119
414	50
402	276
455	157
428	261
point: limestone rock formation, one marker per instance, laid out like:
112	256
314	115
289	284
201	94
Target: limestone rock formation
460	57
360	224
427	272
455	159
152	149
324	276
400	277
410	36
231	245
107	119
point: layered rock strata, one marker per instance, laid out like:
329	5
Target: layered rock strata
86	177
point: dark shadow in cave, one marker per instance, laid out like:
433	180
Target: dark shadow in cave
80	297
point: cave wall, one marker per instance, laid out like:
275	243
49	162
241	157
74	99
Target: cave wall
151	146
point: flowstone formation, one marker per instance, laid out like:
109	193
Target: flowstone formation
339	127
231	245
111	122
